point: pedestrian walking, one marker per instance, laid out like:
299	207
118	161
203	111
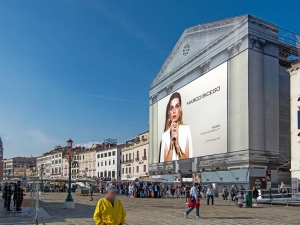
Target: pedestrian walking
255	196
210	194
225	194
8	193
283	189
187	194
178	192
18	196
91	192
242	190
194	202
4	194
172	191
232	193
109	210
14	188
204	189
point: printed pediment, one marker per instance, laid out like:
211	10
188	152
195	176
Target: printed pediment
194	40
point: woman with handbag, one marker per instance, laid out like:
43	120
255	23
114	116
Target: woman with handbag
194	201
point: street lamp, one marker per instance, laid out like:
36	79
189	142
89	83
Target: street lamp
41	172
5	170
69	156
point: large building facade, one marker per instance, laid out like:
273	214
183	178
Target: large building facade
295	122
135	155
86	163
234	111
108	161
16	167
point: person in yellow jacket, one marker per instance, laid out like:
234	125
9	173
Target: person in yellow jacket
109	210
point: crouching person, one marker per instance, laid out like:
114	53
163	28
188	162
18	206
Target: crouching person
109	210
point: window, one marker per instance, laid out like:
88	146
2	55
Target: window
113	162
137	169
123	158
105	154
129	156
145	153
59	155
98	156
105	163
102	155
101	174
145	169
56	156
113	174
59	161
109	163
52	162
102	163
126	157
114	153
80	157
137	154
109	154
83	157
126	170
122	170
98	164
109	173
129	169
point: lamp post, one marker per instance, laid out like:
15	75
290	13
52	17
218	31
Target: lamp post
5	170
42	171
69	155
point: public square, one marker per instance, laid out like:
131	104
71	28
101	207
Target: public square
166	211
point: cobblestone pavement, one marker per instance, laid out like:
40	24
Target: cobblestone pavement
167	211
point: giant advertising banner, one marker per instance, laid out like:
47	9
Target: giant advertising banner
192	121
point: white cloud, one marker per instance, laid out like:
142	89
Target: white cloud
43	139
5	138
108	97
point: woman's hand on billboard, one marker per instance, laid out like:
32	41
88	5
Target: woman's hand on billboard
174	133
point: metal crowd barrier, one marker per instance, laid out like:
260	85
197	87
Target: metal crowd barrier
273	196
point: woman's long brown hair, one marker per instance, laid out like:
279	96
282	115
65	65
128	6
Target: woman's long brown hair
168	122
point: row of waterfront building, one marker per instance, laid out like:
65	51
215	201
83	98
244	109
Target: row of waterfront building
106	161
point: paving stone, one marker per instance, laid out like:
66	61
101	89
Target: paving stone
166	211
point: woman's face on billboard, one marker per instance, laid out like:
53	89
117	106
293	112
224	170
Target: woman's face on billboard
174	109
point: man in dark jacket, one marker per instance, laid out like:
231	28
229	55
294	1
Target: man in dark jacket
7	196
18	196
3	194
255	195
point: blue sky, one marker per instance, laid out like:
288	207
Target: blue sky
82	69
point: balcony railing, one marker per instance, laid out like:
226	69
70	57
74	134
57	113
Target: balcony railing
137	159
144	157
